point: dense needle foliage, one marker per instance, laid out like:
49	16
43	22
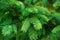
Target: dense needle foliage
29	19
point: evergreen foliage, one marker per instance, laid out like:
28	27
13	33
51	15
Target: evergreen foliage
29	19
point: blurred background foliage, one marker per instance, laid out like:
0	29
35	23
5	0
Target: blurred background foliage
29	19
